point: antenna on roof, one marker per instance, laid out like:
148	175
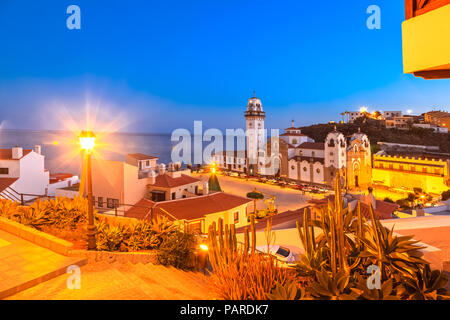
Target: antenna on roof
292	123
254	93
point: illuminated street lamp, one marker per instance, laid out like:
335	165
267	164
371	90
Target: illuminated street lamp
87	142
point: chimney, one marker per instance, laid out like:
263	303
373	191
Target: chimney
37	149
162	168
152	177
205	187
17	152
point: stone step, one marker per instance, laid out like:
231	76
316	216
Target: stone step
114	281
195	279
178	279
24	282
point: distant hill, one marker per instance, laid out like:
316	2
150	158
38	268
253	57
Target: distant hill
377	133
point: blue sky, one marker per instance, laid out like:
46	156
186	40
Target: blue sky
160	65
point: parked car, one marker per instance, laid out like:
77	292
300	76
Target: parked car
282	253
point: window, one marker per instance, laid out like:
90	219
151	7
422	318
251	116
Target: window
100	202
236	217
147	163
305	169
173	195
318	170
4	170
110	203
293	167
313	154
331	154
294	141
425	169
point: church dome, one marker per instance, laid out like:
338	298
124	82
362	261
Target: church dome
254	107
254	104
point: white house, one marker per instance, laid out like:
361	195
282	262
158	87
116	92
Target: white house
22	174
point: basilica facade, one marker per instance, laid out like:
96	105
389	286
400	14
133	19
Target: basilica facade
298	157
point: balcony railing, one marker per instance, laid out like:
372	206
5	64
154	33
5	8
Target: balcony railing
414	8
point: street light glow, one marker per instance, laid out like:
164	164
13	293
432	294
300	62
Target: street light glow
363	109
87	140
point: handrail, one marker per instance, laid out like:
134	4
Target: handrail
11	196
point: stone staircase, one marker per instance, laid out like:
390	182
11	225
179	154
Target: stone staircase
124	281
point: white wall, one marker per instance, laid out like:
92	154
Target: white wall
62	184
293	173
309	153
33	177
318	177
305	175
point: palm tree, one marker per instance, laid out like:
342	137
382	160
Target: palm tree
255	195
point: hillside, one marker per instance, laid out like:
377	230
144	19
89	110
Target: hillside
376	133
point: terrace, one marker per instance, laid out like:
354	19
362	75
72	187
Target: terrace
426	49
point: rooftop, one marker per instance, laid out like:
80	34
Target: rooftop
312	145
6	154
141	156
188	208
166	181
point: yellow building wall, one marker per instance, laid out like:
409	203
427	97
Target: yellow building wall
409	180
228	217
426	44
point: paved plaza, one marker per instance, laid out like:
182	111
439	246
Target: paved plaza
286	198
23	264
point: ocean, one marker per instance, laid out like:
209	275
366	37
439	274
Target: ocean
62	151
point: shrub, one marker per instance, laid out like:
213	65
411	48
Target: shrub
446	195
177	249
387	199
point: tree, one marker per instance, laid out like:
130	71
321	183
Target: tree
255	195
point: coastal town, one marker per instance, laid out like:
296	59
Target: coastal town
354	205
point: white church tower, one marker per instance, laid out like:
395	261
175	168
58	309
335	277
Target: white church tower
335	156
254	118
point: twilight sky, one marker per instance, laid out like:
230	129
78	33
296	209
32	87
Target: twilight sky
153	66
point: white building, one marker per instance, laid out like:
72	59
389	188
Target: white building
430	126
22	174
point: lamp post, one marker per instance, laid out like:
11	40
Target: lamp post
87	142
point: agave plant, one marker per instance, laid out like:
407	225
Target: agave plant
289	291
425	285
386	292
391	253
332	287
110	238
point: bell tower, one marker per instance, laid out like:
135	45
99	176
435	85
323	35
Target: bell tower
335	156
254	119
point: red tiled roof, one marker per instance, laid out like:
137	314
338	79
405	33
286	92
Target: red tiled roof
312	145
189	208
292	134
140	210
6	154
56	177
383	210
141	156
6	182
284	220
166	181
